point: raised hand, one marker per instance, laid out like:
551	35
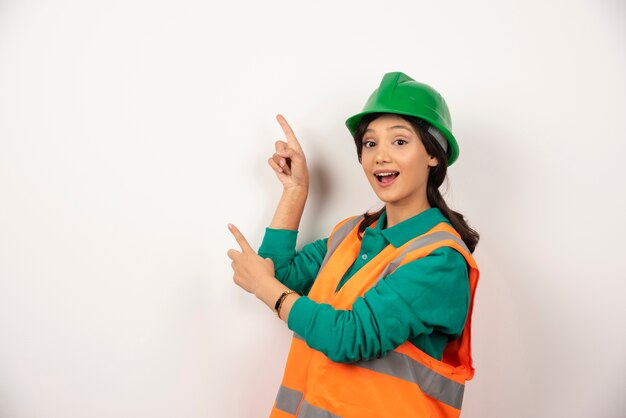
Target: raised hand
288	162
250	271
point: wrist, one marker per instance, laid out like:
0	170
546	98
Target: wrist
300	191
281	300
269	291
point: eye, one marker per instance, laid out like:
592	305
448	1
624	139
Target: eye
401	141
368	143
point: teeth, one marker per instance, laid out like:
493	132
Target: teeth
386	174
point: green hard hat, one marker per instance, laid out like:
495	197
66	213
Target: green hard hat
400	94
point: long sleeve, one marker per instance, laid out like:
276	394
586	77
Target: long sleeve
296	270
424	298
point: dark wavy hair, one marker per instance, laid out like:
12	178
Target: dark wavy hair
436	176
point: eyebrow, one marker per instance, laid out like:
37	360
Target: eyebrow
392	127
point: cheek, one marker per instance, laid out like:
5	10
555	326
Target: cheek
366	170
366	159
416	166
366	167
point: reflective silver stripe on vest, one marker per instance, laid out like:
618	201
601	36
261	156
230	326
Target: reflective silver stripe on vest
339	236
429	381
288	400
420	243
309	411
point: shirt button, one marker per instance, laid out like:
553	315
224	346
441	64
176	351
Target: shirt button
364	256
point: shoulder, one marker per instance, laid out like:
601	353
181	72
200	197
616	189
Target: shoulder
351	220
444	271
447	259
344	227
450	238
443	260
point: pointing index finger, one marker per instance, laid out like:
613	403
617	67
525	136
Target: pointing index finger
291	137
241	240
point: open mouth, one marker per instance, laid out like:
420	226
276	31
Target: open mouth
385	179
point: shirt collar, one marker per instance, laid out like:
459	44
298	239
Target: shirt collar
400	234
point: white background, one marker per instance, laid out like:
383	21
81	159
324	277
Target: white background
132	132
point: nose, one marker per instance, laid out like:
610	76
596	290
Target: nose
382	154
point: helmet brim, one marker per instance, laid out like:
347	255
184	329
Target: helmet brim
453	148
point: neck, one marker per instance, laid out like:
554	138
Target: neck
400	213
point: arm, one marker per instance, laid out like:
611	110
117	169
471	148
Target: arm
426	295
296	270
252	272
289	164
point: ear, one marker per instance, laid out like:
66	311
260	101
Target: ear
432	161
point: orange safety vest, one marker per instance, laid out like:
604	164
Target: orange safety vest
405	382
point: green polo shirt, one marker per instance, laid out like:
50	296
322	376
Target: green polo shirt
424	301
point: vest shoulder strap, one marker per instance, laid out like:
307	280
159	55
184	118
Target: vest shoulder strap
340	232
441	235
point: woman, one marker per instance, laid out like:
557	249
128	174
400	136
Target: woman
384	328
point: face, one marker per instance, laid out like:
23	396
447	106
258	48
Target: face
396	163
